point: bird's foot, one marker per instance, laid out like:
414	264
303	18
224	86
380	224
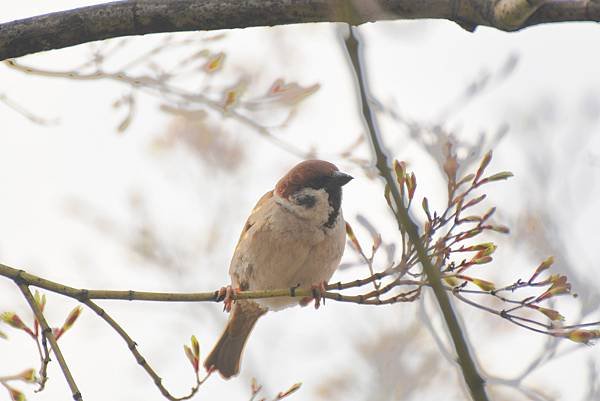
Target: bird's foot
227	295
318	290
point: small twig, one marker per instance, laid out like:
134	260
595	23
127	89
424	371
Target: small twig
47	333
153	85
44	361
24	112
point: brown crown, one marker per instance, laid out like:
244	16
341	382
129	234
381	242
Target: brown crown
302	175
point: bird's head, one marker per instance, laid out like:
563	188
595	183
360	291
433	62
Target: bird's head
313	189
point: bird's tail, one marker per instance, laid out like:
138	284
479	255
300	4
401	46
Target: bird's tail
225	356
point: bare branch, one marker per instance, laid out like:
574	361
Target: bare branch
84	295
47	332
125	18
469	370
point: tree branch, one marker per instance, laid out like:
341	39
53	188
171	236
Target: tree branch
47	332
125	18
83	295
469	370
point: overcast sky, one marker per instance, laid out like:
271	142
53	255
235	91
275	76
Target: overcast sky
76	194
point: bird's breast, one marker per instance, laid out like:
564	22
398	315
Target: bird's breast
286	251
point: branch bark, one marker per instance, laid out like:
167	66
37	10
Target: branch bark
139	17
47	333
473	379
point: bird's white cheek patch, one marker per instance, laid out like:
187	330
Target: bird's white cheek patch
318	213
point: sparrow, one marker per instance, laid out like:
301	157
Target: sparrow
294	238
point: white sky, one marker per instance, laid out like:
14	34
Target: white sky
416	68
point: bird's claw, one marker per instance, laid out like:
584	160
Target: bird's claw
227	295
318	292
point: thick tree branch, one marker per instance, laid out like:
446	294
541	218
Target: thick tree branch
126	18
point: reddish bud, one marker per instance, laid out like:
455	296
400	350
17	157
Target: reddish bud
15	395
560	286
13	320
450	168
465	179
192	358
469	234
498	228
255	387
425	205
352	237
484	163
481	260
70	320
40	299
551	314
400	170
488	250
289	391
545	265
28	376
496	177
488	214
474	201
451	281
214	63
582	336
483	284
411	185
376	242
195	346
470	219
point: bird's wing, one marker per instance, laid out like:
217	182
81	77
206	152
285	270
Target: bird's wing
249	223
252	218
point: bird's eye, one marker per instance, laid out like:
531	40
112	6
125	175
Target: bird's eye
307	201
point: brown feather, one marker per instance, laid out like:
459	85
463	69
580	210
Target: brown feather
278	248
225	356
301	174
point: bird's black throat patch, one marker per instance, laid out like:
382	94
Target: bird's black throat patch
335	201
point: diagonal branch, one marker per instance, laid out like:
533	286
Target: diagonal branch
472	377
47	332
139	17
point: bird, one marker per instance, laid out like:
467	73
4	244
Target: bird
294	238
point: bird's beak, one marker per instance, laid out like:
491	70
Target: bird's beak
340	178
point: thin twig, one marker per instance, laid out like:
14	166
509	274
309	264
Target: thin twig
157	86
44	361
47	332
